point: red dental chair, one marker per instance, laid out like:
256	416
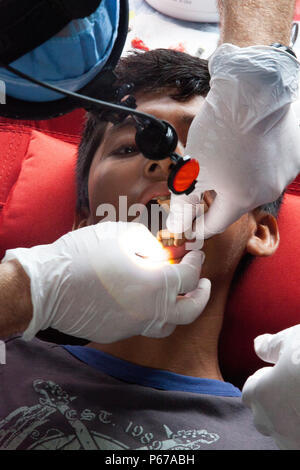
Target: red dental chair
37	203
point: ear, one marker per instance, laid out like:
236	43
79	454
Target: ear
81	218
264	239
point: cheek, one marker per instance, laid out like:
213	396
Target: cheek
108	181
224	251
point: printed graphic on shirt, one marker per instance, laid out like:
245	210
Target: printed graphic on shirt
26	427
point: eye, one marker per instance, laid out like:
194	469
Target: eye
126	150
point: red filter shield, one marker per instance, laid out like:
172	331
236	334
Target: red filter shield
183	176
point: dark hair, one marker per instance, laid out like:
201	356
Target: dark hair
180	74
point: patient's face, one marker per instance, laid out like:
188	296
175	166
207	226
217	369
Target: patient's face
118	169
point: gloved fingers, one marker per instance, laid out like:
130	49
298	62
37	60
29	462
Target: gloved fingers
251	400
249	388
268	347
114	230
188	271
261	421
183	209
130	238
219	216
160	331
189	307
166	330
139	240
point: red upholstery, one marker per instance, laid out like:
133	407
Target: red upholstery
266	299
37	180
37	202
66	128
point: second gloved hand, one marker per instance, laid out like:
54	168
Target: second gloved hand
246	137
273	393
90	284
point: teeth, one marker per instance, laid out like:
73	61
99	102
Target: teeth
161	198
170	239
165	203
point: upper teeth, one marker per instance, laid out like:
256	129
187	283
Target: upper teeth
161	198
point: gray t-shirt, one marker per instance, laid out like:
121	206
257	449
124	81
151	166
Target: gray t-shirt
54	397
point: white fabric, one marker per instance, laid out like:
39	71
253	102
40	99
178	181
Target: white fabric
90	284
273	393
246	136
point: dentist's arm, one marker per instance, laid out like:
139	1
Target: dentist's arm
245	136
247	23
15	299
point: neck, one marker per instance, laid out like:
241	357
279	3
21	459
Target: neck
190	350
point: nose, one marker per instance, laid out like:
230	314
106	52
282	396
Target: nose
158	170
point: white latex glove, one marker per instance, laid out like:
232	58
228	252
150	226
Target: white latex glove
90	284
273	393
246	136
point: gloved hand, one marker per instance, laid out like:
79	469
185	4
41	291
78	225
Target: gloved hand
273	393
90	284
246	136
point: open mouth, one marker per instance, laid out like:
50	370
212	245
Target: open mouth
176	245
158	208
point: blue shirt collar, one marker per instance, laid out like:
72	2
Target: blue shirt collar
148	377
